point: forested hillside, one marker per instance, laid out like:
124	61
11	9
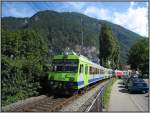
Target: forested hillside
29	43
63	30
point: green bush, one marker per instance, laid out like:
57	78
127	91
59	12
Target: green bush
107	92
24	53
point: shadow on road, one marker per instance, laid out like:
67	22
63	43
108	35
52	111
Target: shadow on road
120	83
121	86
147	95
123	90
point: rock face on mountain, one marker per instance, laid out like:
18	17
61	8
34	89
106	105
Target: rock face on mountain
63	30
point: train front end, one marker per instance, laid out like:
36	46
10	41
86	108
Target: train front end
64	73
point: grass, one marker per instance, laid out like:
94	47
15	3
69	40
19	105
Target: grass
106	94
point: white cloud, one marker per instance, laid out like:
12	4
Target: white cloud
146	4
77	5
134	19
132	4
19	11
98	13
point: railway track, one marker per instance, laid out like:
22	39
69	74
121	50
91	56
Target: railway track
50	103
82	103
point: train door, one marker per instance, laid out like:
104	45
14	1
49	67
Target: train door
86	71
81	74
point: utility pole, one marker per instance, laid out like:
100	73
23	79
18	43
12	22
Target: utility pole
81	34
100	55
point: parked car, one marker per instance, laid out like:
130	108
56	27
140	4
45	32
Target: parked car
144	76
137	85
127	80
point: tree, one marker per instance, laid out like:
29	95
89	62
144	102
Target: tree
138	56
24	54
109	47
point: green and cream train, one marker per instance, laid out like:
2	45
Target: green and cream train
75	71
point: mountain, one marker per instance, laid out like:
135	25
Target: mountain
63	30
14	23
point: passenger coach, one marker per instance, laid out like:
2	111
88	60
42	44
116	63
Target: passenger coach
75	71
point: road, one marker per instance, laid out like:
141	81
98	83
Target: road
147	81
122	100
141	99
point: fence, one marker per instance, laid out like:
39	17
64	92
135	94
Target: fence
97	104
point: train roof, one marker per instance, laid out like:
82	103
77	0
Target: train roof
76	56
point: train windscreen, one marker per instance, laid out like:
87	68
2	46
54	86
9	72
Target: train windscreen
65	65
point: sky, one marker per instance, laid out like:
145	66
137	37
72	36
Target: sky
131	15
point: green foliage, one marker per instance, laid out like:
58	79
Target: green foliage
29	43
109	47
24	53
138	56
126	39
14	23
107	92
64	29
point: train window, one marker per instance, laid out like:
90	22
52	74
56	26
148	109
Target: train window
65	65
101	71
70	68
65	68
81	68
65	61
94	70
90	70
